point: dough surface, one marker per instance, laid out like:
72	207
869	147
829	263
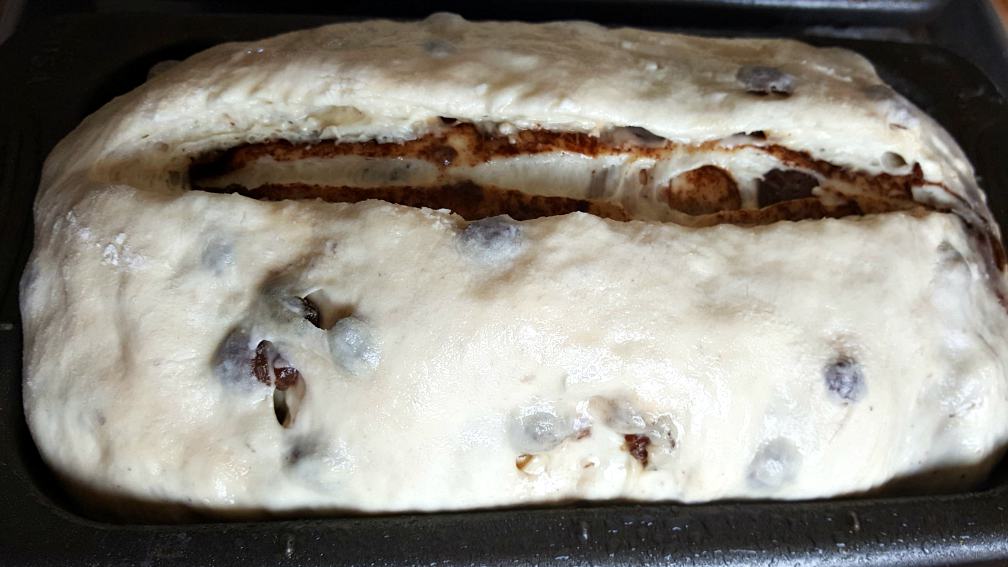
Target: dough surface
459	364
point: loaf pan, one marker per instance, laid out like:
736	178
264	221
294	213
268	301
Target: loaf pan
57	71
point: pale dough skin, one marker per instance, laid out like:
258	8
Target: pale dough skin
720	340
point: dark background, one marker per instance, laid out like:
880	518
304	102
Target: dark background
969	28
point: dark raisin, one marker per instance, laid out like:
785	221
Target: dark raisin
288	395
286	377
779	185
353	346
491	240
261	362
231	361
637	446
759	79
845	379
775	464
270	368
311	312
539	430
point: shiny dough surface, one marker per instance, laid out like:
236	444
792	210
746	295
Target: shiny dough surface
499	362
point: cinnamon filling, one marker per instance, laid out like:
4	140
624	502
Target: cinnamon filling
625	174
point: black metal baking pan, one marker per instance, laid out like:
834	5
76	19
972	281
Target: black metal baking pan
726	13
55	72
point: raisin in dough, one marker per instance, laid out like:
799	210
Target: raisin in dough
224	353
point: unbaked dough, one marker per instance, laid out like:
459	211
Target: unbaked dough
225	354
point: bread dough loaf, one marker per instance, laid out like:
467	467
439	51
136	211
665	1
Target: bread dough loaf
446	364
